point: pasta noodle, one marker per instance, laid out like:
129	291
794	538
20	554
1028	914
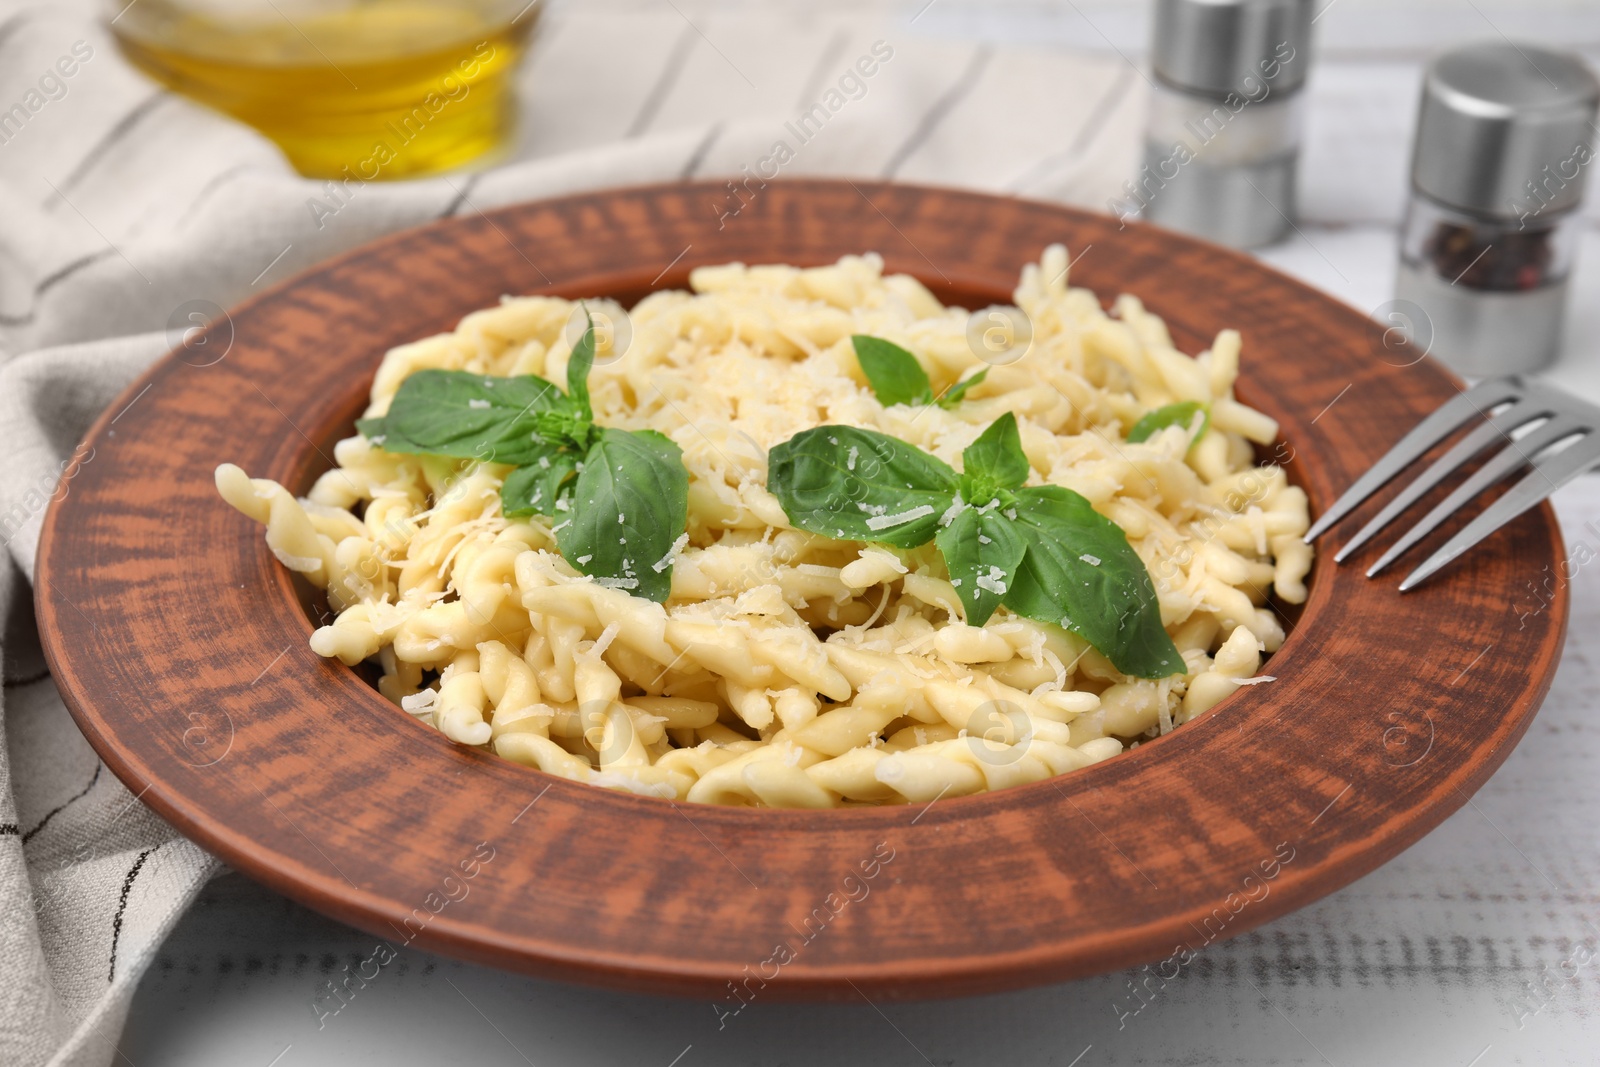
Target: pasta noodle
789	669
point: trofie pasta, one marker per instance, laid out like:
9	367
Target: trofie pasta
776	667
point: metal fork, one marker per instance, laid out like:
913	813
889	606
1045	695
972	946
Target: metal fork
1549	418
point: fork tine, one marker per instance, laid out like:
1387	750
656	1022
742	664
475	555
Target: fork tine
1502	464
1480	438
1433	429
1549	474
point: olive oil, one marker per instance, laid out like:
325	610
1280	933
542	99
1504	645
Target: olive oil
379	89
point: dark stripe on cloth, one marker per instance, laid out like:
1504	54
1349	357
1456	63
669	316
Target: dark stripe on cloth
669	76
819	73
18	683
12	25
122	906
63	806
941	107
461	195
112	137
698	156
61	274
1099	115
217	181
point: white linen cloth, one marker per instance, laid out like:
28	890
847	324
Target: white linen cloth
125	202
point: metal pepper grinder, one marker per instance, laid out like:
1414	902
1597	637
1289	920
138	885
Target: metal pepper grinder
1505	136
1222	141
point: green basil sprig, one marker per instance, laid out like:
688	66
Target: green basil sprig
470	416
619	498
897	378
1179	414
1043	552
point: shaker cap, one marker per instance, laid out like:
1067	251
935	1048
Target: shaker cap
1223	46
1505	129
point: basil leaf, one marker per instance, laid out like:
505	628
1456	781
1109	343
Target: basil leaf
472	416
1080	573
578	367
1179	414
982	550
894	373
381	434
630	505
994	461
954	394
536	488
858	485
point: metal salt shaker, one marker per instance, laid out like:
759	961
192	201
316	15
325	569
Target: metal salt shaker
1223	136
1505	136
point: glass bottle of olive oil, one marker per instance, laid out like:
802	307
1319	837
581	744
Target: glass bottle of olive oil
385	88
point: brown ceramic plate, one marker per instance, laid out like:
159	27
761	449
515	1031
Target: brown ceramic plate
180	645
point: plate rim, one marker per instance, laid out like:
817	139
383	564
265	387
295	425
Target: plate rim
958	976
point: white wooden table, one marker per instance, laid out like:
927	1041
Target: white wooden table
1433	959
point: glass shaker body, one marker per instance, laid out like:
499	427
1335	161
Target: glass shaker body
1222	168
1492	291
1503	145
